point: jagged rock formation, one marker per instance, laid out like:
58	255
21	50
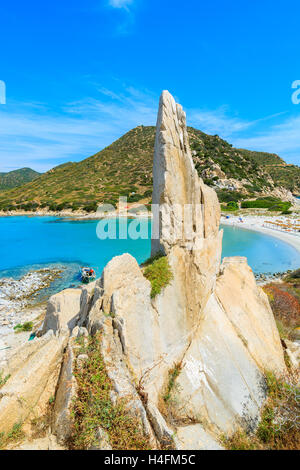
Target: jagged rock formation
212	322
33	373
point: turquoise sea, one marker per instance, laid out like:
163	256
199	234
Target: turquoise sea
32	242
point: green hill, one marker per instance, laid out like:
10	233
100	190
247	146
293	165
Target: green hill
282	173
262	170
125	168
16	178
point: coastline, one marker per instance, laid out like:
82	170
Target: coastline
253	223
78	215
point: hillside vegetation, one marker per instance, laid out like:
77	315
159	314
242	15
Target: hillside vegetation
16	178
125	169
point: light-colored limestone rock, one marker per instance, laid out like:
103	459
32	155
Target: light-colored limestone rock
63	310
186	225
28	390
248	309
86	300
194	437
219	384
62	419
124	383
45	443
101	441
293	352
164	433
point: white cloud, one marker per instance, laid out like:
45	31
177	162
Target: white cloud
120	3
36	136
217	122
282	139
220	122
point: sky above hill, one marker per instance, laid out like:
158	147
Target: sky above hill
78	74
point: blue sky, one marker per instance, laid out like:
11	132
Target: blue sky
80	74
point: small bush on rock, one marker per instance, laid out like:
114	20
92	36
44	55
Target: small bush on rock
159	273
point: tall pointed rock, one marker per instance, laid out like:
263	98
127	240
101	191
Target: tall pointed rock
185	210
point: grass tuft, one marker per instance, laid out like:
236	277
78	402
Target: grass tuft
173	374
3	379
14	435
27	326
159	273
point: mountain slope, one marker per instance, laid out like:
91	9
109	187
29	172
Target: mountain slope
16	178
125	168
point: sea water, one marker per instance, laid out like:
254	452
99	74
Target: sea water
30	243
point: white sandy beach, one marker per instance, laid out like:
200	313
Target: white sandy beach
256	223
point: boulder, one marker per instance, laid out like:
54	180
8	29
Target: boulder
194	437
63	310
219	384
86	299
28	390
248	309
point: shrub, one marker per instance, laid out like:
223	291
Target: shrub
227	196
270	203
285	305
158	272
27	326
147	193
230	206
91	207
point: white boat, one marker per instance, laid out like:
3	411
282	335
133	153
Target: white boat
87	274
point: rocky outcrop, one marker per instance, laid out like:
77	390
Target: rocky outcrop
281	193
32	381
212	320
62	421
66	309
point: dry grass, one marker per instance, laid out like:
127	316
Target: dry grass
279	427
94	409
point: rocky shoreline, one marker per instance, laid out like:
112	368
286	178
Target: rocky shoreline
265	278
18	295
78	215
